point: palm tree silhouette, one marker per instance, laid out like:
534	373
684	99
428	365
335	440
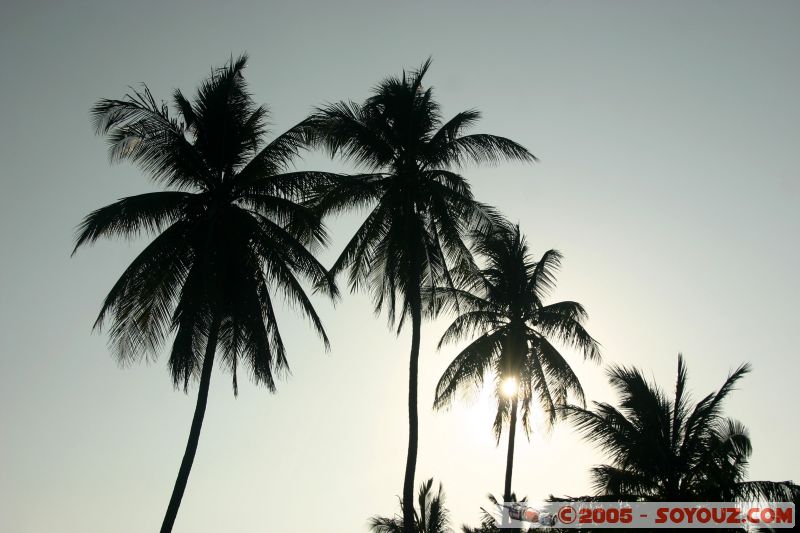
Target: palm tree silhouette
422	208
504	305
432	517
230	231
668	449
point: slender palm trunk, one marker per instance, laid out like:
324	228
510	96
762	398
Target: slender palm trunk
512	431
413	419
194	432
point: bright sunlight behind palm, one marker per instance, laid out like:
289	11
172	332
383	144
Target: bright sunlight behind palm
502	312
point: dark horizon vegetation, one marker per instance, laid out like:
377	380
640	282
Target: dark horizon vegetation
235	225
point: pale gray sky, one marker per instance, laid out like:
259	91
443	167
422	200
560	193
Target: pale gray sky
668	134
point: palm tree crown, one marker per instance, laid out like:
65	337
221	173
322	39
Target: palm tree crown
431	517
421	206
230	230
504	306
667	449
230	227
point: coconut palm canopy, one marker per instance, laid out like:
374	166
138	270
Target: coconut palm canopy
671	449
229	227
421	206
503	311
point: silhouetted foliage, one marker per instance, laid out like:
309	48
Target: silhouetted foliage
234	224
503	305
431	515
668	449
231	231
421	208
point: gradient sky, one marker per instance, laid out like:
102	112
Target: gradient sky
668	135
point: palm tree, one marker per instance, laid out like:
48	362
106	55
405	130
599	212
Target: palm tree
432	517
421	207
669	449
504	306
228	233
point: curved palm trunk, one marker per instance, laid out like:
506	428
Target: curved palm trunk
194	432
512	431
413	419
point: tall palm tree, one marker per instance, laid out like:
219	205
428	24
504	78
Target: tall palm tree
504	306
229	232
421	206
668	449
433	516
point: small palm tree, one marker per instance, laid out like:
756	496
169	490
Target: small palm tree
229	233
668	449
504	306
421	207
432	516
489	519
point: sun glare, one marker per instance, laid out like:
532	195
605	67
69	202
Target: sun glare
509	387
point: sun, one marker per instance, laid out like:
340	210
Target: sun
509	387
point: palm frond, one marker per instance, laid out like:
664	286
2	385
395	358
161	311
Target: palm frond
343	129
563	321
279	154
481	148
131	216
558	370
141	130
140	302
469	367
543	279
679	405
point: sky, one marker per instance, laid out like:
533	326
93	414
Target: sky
668	134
